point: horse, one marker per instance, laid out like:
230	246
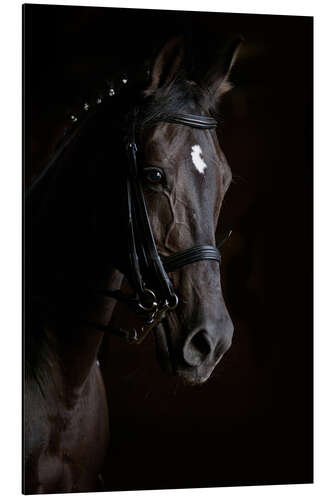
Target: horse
132	195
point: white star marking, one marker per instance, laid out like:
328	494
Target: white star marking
197	159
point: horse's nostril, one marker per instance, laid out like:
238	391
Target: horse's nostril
201	343
197	349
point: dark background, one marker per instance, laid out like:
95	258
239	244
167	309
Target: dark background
251	423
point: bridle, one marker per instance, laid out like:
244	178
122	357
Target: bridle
154	294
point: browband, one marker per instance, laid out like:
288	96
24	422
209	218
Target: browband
196	121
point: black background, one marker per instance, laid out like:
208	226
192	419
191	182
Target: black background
251	423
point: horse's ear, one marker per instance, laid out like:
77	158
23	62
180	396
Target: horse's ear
166	64
216	78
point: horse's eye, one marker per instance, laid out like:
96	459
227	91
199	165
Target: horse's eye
153	175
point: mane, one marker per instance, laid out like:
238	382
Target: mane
72	170
180	95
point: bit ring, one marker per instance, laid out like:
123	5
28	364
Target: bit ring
175	303
154	304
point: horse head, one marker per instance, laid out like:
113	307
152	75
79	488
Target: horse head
184	176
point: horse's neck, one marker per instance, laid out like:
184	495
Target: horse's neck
69	345
70	260
75	354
